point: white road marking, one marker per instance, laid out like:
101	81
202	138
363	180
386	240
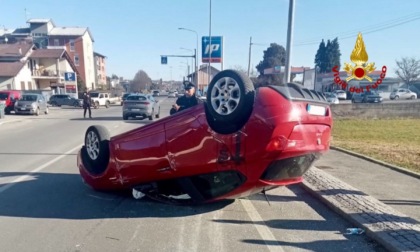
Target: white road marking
22	178
262	229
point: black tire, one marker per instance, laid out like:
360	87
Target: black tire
230	100
412	97
54	103
76	104
107	104
96	149
151	115
396	97
96	105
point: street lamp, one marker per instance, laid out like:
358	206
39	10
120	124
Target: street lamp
196	51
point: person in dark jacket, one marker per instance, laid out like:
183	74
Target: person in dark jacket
86	104
188	100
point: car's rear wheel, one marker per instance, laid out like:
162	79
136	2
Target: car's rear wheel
46	111
151	115
412	97
96	105
97	148
107	104
37	112
230	100
396	97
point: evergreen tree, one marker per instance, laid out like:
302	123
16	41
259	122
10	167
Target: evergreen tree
275	55
321	57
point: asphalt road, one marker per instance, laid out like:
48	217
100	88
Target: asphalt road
46	207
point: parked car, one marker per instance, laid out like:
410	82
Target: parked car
331	98
341	94
144	105
156	93
402	93
367	97
32	104
171	94
8	98
65	100
124	97
237	143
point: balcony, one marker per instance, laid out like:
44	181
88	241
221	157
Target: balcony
48	74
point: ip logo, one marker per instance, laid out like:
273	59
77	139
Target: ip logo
212	49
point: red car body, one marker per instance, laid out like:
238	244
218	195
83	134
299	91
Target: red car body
277	144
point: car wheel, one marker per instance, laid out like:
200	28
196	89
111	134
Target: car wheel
158	114
412	97
46	111
76	104
37	112
54	103
96	105
97	148
396	97
230	100
151	115
107	104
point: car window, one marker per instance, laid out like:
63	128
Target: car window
136	98
3	96
29	98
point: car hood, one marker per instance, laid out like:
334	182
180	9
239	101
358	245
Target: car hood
21	103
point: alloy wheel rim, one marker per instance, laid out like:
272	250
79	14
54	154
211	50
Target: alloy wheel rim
225	96
92	145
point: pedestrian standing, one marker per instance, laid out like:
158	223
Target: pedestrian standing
86	105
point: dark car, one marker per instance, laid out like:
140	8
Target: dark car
366	97
239	142
124	97
65	99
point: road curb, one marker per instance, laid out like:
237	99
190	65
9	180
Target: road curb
393	167
392	229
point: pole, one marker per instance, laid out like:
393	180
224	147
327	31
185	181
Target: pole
289	41
210	51
249	56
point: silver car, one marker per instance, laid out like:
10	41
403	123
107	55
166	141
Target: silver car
32	104
144	105
402	93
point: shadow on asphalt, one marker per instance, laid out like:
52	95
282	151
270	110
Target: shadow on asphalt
64	196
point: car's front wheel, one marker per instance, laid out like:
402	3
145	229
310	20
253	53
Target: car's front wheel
97	148
230	100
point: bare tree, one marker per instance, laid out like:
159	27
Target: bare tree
140	82
408	70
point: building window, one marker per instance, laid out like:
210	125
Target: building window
22	85
76	60
29	85
72	45
56	42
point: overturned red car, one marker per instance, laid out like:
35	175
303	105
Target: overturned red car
239	142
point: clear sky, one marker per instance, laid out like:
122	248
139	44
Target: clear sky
133	34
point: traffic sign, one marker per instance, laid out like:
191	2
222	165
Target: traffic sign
70	76
212	49
163	60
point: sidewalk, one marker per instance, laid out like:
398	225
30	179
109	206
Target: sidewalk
377	197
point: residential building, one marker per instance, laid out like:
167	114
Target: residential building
24	67
77	41
100	71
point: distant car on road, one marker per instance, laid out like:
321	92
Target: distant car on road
156	93
402	93
143	105
331	98
32	104
171	94
65	99
341	94
366	97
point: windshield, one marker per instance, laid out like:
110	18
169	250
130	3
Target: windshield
3	96
29	98
94	95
